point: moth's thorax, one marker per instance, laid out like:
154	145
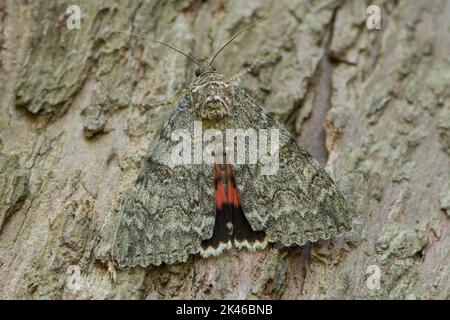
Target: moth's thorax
212	97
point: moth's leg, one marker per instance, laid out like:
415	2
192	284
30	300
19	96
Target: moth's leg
169	102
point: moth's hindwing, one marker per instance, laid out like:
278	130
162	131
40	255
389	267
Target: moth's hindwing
231	228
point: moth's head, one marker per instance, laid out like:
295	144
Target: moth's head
212	96
204	68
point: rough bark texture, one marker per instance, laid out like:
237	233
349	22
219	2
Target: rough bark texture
80	109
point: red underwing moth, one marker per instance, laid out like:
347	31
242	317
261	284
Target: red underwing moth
204	207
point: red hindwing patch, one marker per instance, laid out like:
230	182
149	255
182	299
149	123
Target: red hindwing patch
230	194
221	199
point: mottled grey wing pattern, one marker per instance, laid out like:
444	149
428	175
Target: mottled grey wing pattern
170	209
298	203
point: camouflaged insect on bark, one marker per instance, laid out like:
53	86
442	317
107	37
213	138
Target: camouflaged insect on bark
170	210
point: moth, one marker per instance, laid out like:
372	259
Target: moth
173	211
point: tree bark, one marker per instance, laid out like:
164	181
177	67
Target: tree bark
80	109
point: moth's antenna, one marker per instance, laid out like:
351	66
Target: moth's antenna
160	42
232	38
